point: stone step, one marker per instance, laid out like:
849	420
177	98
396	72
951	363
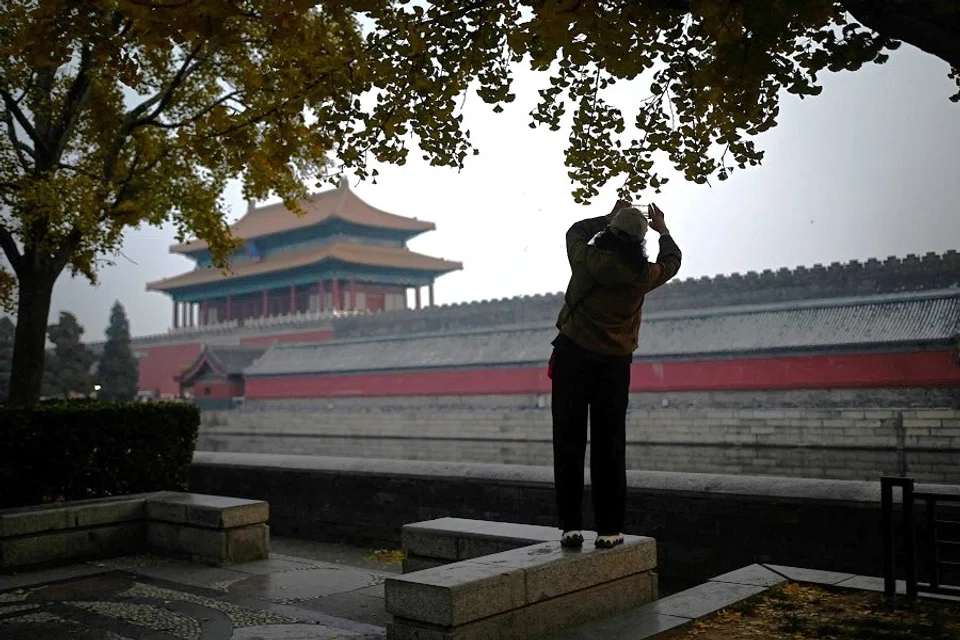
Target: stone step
471	590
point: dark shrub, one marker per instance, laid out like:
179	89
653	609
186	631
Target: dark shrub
69	450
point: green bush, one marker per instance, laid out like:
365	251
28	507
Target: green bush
69	450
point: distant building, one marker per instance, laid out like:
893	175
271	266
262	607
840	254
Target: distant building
859	334
215	379
341	255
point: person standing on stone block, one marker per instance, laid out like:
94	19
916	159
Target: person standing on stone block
599	326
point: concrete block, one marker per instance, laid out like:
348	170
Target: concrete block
419	563
21	522
542	618
71	545
455	594
246	544
106	512
436	538
215	512
552	571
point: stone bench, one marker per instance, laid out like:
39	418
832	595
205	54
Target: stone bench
210	529
533	588
438	542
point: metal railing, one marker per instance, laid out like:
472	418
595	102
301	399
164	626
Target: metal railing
933	542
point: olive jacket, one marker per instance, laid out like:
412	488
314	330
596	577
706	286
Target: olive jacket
603	303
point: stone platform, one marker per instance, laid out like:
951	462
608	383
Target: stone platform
532	588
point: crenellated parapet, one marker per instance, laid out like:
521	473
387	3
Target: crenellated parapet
837	280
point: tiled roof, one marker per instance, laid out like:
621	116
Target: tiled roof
341	203
848	325
229	360
370	255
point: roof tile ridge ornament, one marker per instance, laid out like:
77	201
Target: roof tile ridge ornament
344	189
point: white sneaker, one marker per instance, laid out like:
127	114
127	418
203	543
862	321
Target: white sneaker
571	539
608	542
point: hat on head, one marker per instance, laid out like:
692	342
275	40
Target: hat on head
630	223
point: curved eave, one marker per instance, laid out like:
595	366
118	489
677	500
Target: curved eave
205	359
346	206
343	253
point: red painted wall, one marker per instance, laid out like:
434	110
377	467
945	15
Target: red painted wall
307	336
163	363
217	390
934	368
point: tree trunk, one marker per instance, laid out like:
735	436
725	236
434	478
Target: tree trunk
927	26
35	290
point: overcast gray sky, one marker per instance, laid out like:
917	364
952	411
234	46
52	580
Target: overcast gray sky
867	169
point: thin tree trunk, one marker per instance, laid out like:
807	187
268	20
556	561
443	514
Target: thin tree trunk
29	347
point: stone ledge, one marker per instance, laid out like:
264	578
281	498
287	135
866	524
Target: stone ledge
213	529
533	587
199	510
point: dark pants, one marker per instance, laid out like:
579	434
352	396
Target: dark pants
602	387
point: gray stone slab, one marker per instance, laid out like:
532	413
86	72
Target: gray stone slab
216	546
44	576
416	563
427	543
197	575
455	594
351	605
200	510
754	574
703	599
869	583
107	512
293	586
497	537
551	571
814	576
632	625
71	544
277	564
542	618
21	522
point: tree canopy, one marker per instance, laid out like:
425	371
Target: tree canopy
119	113
118	372
69	366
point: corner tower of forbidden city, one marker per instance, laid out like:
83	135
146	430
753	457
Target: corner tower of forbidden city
341	256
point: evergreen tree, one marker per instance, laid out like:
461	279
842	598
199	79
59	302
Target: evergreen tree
119	372
7	331
69	368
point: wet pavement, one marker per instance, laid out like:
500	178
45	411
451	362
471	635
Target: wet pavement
159	598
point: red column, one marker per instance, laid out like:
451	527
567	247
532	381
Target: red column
293	299
431	294
322	290
263	304
227	315
176	314
353	295
336	294
417	290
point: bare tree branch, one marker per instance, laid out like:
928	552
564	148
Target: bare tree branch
11	250
73	104
13	108
163	99
19	146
